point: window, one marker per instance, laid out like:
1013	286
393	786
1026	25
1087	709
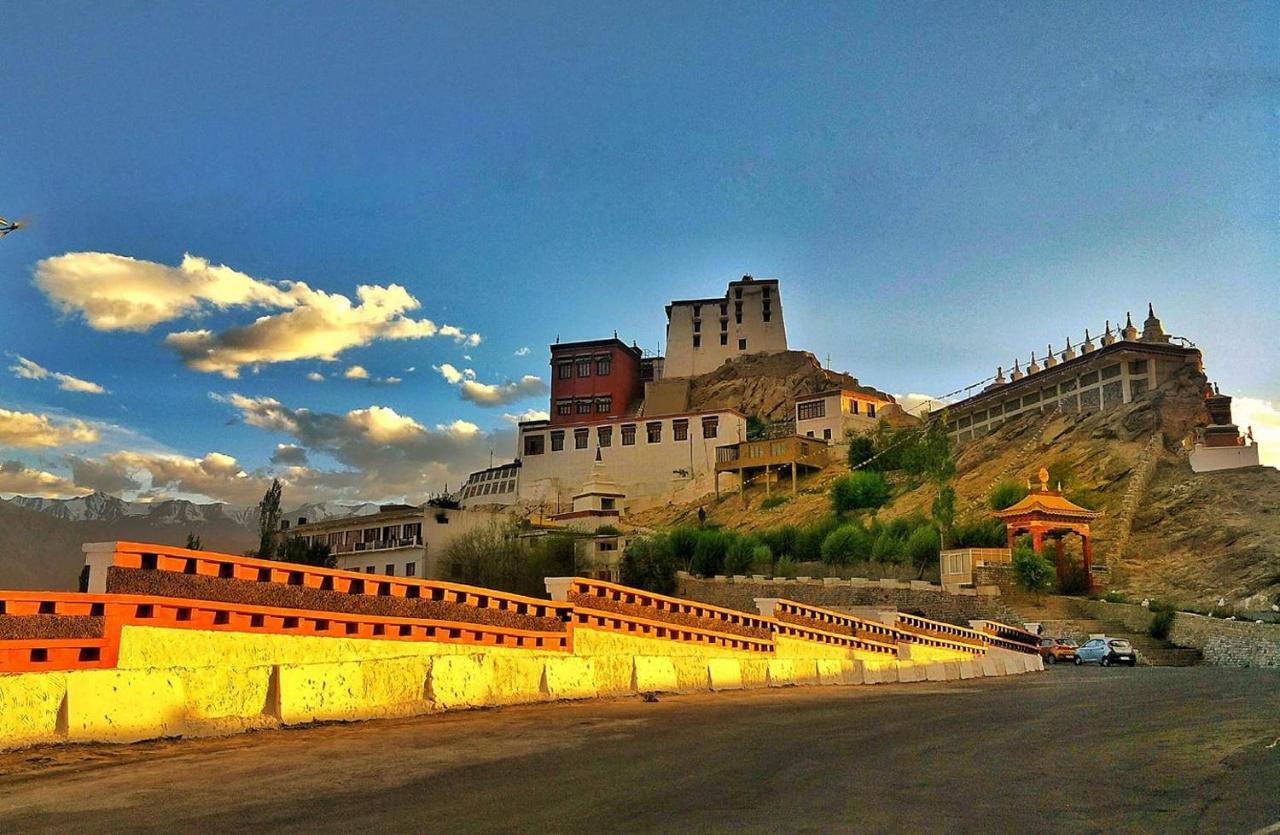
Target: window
604	436
1137	367
766	291
710	426
680	430
653	432
742	344
584	407
584	366
737	312
391	571
533	444
766	313
564	370
604	365
629	434
580	437
368	569
871	410
697	310
724	312
724	339
411	569
608	504
809	433
604	405
697	325
557	441
826	434
697	341
737	292
811	410
853	407
564	407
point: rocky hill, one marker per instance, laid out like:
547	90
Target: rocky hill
766	385
40	538
1188	537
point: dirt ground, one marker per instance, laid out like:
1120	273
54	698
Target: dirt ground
1071	750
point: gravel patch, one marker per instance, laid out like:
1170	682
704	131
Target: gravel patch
26	627
169	584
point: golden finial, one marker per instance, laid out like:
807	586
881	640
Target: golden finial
1044	479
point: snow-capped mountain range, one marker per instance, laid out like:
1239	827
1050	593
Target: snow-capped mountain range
104	507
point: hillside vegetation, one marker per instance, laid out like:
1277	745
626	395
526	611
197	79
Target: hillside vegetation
1194	538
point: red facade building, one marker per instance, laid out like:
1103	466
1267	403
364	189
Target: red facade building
594	380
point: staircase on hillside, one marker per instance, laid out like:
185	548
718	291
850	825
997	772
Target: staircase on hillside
1015	463
1133	493
1061	617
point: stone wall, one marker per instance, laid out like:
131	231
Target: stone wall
914	597
1224	643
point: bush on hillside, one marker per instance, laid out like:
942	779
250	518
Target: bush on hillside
861	450
986	533
683	541
741	555
887	548
709	553
781	540
1005	494
1161	623
860	490
846	544
809	539
922	546
771	502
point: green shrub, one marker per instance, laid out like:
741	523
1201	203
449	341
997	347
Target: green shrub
1074	578
771	502
1161	623
649	564
761	558
608	530
987	533
860	490
709	553
1032	571
785	567
782	540
683	541
1086	499
1115	597
846	544
1006	494
741	555
922	546
861	449
809	539
887	548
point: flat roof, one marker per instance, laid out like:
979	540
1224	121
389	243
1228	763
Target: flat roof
546	424
609	342
865	391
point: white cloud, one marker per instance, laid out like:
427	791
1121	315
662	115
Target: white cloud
216	476
18	479
916	403
1264	417
114	292
522	351
315	377
356	372
452	375
527	415
388	455
29	430
29	370
484	394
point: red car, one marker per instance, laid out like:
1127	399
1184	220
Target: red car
1053	650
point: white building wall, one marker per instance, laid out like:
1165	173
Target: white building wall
550	479
1206	459
838	418
720	335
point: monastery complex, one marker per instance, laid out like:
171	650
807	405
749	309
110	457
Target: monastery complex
625	430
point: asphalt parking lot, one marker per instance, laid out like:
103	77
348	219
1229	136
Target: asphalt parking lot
1071	750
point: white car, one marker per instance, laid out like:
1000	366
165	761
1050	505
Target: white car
1107	651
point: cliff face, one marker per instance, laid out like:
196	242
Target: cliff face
766	385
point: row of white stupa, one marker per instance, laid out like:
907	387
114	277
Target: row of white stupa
1152	331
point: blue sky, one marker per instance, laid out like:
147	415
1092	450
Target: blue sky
940	187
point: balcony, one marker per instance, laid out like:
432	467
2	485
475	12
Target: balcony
773	452
377	545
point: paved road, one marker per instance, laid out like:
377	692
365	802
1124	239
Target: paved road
1160	750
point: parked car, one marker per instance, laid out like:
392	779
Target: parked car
1107	651
1053	650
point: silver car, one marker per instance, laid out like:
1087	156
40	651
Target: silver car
1107	651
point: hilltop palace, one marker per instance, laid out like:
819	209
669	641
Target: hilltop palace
625	430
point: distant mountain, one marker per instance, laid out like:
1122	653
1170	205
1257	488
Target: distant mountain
40	538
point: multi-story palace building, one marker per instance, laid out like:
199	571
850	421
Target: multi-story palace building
1123	367
703	333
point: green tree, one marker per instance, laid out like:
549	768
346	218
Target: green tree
944	511
921	548
297	550
781	540
887	549
985	533
861	449
710	552
846	544
269	519
649	564
859	490
1005	494
741	555
683	541
193	542
1031	571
